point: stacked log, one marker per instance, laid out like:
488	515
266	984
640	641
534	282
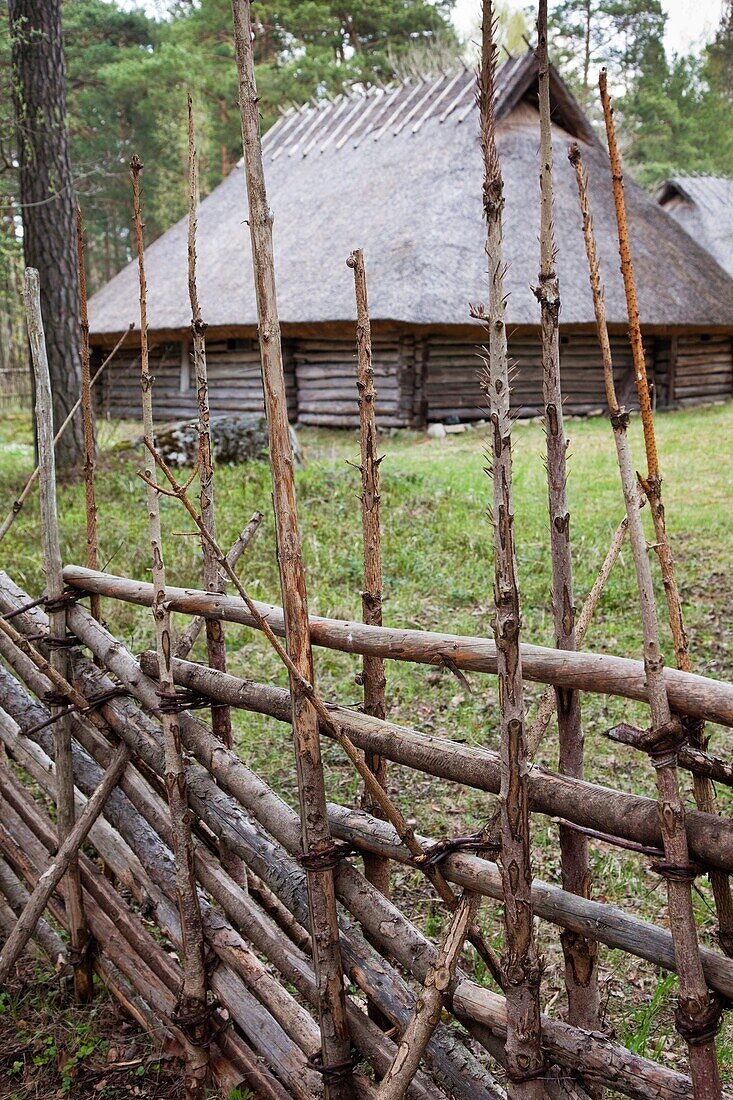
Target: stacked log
232	807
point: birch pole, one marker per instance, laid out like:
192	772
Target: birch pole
376	870
521	964
191	1009
580	954
87	416
698	1013
221	718
652	484
81	957
319	854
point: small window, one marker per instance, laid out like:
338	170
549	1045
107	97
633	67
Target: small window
231	345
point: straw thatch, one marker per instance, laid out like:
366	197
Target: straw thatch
398	173
703	206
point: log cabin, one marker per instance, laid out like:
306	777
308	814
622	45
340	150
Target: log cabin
397	171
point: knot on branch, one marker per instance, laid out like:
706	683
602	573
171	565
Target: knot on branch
698	1019
620	420
522	970
326	858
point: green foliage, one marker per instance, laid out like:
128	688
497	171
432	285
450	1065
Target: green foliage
673	114
624	35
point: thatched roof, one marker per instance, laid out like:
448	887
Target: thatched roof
703	205
398	173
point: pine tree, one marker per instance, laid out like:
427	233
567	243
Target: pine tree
47	200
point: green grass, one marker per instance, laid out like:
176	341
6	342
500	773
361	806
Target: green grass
438	575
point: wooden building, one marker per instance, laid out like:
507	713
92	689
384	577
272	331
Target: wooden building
398	173
703	206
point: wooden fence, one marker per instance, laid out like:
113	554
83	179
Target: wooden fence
295	972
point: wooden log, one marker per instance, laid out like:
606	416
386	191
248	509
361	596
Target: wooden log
147	966
580	954
193	995
52	876
16	898
632	817
87	414
373	678
51	553
221	721
155	869
268	859
700	696
235	902
316	840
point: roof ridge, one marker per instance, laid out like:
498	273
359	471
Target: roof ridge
397	105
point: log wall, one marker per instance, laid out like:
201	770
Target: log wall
234	380
703	369
325	372
453	388
418	379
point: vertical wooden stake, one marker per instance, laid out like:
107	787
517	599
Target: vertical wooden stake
221	718
318	848
191	1006
521	965
87	416
698	1014
580	953
376	868
81	956
652	484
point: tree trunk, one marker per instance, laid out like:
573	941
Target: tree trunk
48	202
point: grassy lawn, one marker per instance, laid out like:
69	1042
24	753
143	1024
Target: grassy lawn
438	575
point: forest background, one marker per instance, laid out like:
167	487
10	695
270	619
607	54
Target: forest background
129	66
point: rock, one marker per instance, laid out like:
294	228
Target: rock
234	438
455	429
436	431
